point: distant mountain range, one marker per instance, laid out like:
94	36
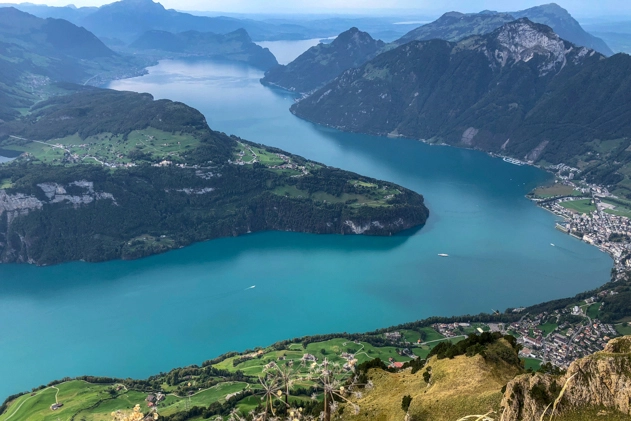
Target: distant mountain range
235	46
322	63
36	52
455	26
126	20
309	71
520	91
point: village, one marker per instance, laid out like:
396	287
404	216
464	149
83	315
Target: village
592	214
559	337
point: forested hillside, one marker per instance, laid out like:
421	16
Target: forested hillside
108	175
35	53
234	46
519	91
322	63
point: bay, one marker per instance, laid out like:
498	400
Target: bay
287	51
134	319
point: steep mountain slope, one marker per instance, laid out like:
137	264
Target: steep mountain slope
565	25
521	91
322	63
444	389
235	46
455	26
599	382
108	175
36	52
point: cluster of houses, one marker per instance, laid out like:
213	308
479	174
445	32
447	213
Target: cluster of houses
568	341
449	330
154	400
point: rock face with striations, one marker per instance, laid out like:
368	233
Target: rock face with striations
322	63
455	26
601	380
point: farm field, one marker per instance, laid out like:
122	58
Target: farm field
555	190
579	206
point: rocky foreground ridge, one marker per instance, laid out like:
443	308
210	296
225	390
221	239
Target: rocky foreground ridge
601	380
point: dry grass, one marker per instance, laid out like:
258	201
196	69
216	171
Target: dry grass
458	388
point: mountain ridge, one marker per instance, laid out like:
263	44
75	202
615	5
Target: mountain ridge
492	97
234	46
319	64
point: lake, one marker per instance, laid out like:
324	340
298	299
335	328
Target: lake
134	319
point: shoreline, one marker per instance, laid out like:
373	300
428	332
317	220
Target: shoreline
447	145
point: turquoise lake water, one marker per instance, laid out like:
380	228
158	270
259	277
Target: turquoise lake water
134	319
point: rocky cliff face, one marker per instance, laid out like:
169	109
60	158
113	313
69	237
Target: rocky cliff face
602	380
15	205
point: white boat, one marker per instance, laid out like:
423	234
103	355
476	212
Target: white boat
552	244
443	255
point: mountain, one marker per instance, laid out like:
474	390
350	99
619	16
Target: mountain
598	382
70	13
108	175
36	52
322	63
235	46
564	25
127	20
456	26
520	91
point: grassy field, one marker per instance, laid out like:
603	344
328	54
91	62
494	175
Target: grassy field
592	311
203	399
331	350
580	206
91	402
532	363
623	330
555	190
114	150
375	197
547	328
623	207
413	336
75	395
5	184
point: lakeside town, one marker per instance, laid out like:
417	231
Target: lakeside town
558	337
589	213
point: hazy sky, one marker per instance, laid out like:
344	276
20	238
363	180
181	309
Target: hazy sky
576	7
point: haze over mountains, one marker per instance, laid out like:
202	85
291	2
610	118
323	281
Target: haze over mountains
455	26
452	26
234	46
36	52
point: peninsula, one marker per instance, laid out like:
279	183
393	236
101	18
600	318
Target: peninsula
107	175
